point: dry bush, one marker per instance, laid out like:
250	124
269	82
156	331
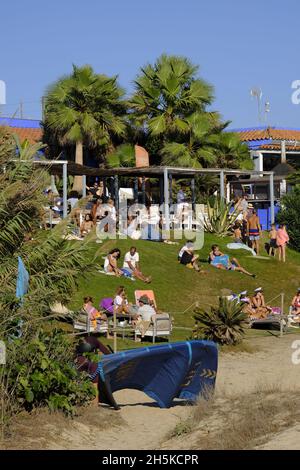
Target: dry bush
240	421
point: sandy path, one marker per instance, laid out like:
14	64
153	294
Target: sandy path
270	365
144	426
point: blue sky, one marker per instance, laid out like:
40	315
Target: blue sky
237	45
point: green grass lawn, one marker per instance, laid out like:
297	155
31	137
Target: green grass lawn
177	288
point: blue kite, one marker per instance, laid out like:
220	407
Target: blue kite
185	370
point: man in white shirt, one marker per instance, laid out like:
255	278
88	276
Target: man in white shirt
145	310
131	264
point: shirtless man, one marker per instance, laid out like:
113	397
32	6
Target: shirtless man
254	231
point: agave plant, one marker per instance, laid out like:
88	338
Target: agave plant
220	216
224	324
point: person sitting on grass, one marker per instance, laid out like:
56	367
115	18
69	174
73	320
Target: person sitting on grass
188	258
258	304
221	261
87	225
94	315
131	265
296	303
111	262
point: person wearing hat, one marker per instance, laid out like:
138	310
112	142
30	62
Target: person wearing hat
296	303
145	310
145	313
259	305
254	231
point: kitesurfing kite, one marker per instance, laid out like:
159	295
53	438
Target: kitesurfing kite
184	370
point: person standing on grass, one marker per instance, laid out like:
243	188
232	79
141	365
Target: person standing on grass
273	243
254	231
281	240
131	264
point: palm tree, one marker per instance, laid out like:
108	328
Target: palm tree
122	156
166	94
85	109
170	106
195	150
230	152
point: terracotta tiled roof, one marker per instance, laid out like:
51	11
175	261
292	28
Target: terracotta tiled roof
266	133
33	135
290	148
25	128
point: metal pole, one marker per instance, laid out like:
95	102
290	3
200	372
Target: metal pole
65	190
104	189
161	190
222	185
116	192
136	189
166	199
170	188
83	185
272	209
143	190
115	332
283	152
193	193
282	308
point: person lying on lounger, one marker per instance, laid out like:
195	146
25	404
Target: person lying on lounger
258	304
221	261
296	303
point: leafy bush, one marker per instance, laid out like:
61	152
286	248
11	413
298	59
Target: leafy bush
224	324
220	216
289	215
42	373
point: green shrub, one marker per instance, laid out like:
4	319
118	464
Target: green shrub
224	324
289	215
42	373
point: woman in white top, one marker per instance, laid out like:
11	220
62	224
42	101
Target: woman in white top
111	262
